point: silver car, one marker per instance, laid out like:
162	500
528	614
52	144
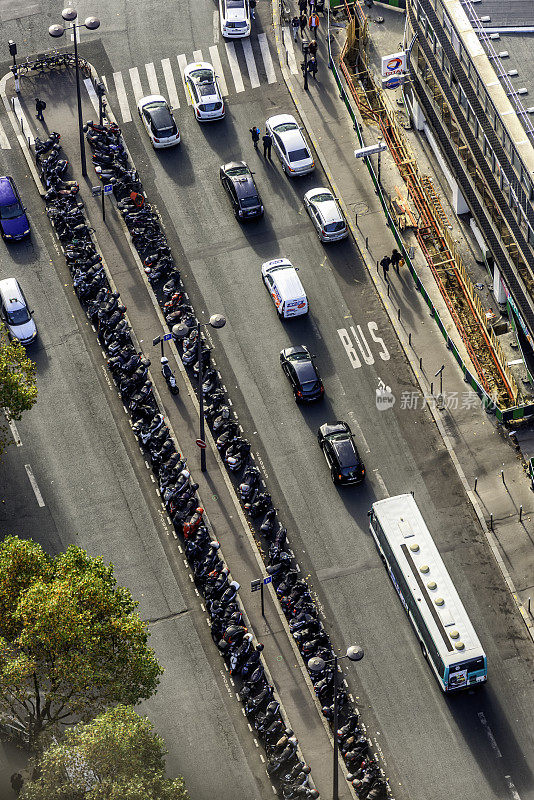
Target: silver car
326	215
15	313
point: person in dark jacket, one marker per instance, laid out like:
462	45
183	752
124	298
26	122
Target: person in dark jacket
396	259
386	261
255	133
267	144
312	67
40	106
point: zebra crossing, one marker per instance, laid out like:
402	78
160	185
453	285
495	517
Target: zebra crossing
239	65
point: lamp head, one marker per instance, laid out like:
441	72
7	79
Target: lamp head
316	664
180	331
56	31
217	321
92	23
354	653
69	14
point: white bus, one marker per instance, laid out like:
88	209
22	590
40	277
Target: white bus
447	638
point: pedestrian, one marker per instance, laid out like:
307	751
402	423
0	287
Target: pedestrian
312	48
267	144
313	22
312	6
17	782
255	133
396	259
303	21
295	24
386	261
40	106
252	6
303	6
312	67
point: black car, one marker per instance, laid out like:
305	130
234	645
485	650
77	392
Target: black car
337	443
244	196
302	374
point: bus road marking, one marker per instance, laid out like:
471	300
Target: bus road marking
489	734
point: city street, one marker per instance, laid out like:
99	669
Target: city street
96	491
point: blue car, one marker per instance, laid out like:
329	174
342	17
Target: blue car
14	223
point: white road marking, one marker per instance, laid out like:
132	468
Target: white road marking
136	84
92	94
4	141
381	483
105	82
14	431
513	790
251	64
37	493
489	734
355	424
121	97
152	79
288	44
170	83
182	63
197	55
216	61
23	122
267	60
216	26
234	66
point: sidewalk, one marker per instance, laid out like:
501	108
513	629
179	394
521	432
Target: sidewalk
490	465
226	518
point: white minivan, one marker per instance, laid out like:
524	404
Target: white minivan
284	286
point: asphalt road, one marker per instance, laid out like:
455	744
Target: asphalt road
91	488
475	745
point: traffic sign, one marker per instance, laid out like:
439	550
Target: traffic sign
167	337
108	188
268	579
201	443
255	586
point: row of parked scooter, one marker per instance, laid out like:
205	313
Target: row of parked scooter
130	371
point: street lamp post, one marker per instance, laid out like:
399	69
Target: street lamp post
91	23
180	331
317	664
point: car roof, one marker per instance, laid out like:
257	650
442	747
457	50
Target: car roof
10	290
305	370
7	191
346	452
289	282
245	186
328	209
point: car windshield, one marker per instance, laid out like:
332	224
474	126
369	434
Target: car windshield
286	126
299	357
322	198
250	202
234	172
235	4
18	316
298	155
332	227
10	212
202	76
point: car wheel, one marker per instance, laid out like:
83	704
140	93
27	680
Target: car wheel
333	476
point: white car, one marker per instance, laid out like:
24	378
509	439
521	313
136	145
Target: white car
325	214
203	87
235	18
158	121
290	145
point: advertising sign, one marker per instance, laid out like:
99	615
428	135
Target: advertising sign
394	64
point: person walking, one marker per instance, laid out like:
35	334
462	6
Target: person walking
303	21
267	144
312	67
295	24
312	48
396	259
40	106
303	6
255	133
252	6
17	782
312	6
386	261
313	22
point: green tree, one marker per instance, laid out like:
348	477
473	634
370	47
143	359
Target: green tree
116	756
18	391
71	641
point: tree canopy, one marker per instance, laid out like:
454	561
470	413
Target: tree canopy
116	756
71	641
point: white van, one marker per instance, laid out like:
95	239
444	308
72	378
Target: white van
15	313
284	286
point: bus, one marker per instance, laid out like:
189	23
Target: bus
447	638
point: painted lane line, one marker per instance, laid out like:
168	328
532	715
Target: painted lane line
267	60
513	790
136	84
152	78
288	44
37	493
251	64
356	424
170	83
234	66
380	481
14	432
122	97
92	94
216	61
105	82
216	26
197	55
489	734
4	141
23	122
182	64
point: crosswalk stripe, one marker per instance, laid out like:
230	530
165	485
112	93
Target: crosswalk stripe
23	122
4	141
169	81
216	61
251	64
288	44
182	63
105	82
267	60
197	55
234	66
152	79
136	84
92	94
121	97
